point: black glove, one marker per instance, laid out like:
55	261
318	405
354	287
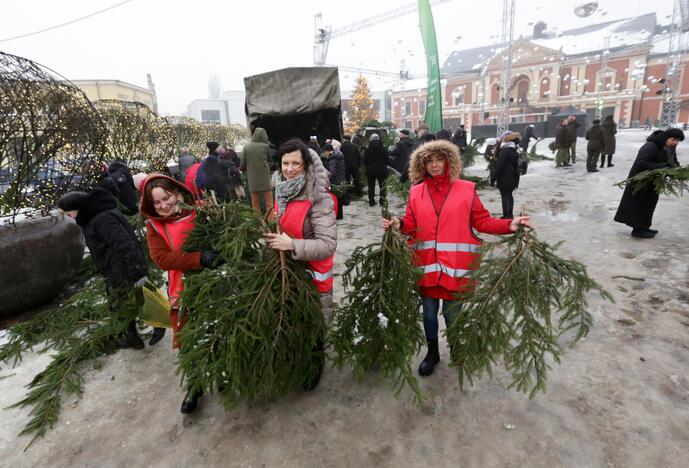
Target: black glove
209	259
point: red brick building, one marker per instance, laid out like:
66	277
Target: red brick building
618	66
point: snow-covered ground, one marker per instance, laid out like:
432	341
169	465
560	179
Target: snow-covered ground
619	399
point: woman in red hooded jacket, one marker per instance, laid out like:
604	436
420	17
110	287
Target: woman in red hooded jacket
442	212
167	227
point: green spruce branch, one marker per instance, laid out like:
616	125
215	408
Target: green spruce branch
470	152
668	181
533	155
378	321
524	300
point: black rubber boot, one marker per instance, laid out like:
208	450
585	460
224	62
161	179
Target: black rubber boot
602	161
190	402
610	164
432	358
131	338
158	334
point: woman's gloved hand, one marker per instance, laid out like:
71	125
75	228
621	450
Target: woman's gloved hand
210	259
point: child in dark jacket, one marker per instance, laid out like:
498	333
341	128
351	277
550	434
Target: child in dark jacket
115	251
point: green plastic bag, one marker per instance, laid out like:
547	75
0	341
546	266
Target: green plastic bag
156	309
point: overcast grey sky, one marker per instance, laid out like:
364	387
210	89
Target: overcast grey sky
181	43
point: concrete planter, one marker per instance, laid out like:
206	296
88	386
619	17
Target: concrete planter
39	257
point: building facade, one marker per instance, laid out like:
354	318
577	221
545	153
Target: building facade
119	90
617	68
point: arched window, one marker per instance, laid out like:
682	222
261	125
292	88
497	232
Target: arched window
521	85
545	88
458	95
495	94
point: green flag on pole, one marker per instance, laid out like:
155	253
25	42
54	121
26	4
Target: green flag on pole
434	111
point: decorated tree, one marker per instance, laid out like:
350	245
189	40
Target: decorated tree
50	137
362	107
143	140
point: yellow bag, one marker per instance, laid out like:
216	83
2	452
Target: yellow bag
156	309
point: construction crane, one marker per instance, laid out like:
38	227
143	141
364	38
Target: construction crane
673	77
505	66
323	34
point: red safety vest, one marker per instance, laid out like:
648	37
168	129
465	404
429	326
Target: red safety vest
175	233
444	245
292	224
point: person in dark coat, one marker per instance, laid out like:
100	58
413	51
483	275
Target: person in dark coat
335	164
376	162
562	144
116	253
609	140
636	209
401	153
527	137
117	179
352	158
212	176
184	162
313	144
572	128
507	172
459	138
594	135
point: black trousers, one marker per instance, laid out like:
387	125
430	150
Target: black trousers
372	188
507	203
352	175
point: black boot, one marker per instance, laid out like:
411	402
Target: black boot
131	338
158	334
190	402
432	358
610	164
602	161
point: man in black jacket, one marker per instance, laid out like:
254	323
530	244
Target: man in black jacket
116	252
376	161
401	154
637	207
352	158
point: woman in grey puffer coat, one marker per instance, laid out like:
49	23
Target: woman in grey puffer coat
306	215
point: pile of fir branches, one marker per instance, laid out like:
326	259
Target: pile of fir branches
532	155
255	328
79	331
394	184
667	180
480	182
377	323
471	150
525	298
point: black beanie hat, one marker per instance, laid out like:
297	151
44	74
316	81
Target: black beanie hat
212	146
72	201
675	133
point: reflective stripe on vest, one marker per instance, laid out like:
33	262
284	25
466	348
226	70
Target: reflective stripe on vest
174	233
292	224
445	248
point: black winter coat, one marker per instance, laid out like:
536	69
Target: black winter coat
594	135
336	168
636	209
401	154
507	169
460	138
609	140
119	182
351	154
376	159
526	138
111	240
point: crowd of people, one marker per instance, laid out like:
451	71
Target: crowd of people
442	212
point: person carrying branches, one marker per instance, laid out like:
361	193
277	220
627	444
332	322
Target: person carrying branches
441	215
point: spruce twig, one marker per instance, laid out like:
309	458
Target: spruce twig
532	155
378	320
668	181
508	314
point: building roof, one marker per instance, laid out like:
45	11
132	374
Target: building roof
113	82
588	39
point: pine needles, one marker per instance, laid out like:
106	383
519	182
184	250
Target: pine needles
396	186
254	328
378	323
471	151
509	313
668	181
532	155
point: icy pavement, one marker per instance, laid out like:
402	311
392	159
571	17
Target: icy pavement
619	399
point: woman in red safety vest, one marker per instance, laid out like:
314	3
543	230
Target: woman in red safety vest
442	212
306	212
167	227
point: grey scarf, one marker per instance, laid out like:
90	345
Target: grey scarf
287	190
